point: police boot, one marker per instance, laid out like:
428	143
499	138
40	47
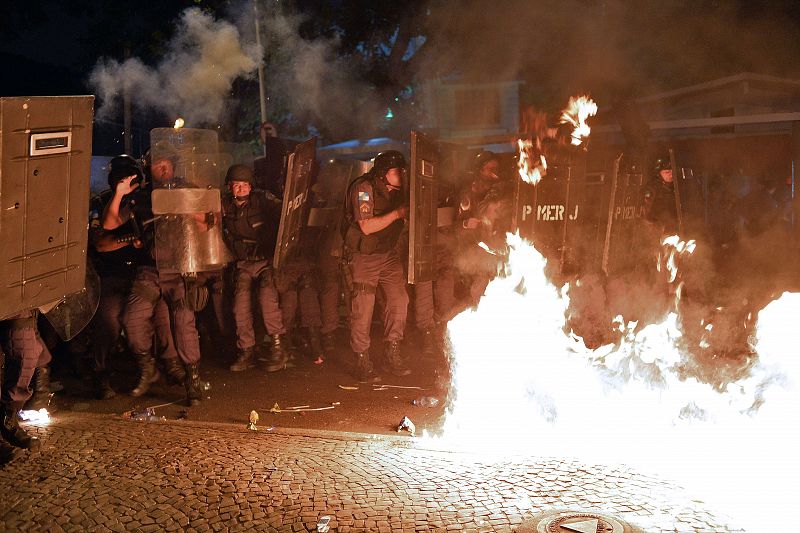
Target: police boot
193	395
328	343
395	360
245	360
278	356
148	374
102	386
10	430
176	374
429	343
364	370
41	389
315	346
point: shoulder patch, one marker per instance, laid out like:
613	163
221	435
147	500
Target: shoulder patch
363	196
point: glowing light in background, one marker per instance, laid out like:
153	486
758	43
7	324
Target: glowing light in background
179	122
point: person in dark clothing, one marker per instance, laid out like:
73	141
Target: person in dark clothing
250	224
375	211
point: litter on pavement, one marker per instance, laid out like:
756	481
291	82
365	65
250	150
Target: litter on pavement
251	424
407	425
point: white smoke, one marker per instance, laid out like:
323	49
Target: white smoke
194	79
313	81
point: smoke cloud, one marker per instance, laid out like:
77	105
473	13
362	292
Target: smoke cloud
310	81
194	79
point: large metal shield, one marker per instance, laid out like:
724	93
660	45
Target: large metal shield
423	204
188	172
294	211
625	244
45	168
271	169
551	214
74	311
689	198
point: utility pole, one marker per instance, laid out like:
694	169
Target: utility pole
261	81
126	109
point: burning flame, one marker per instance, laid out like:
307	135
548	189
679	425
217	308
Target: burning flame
530	171
35	417
523	383
178	123
577	111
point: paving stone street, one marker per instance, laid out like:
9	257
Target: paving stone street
104	473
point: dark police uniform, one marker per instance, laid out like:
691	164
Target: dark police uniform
374	263
21	349
250	231
149	286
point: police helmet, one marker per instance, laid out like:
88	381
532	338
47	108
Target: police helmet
121	167
388	160
663	164
484	157
239	173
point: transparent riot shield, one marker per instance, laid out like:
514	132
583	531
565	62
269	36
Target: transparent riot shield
187	171
294	211
74	311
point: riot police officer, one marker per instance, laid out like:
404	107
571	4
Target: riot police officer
20	349
115	250
149	286
375	211
661	208
483	217
250	222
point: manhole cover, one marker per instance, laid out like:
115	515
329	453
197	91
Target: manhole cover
575	522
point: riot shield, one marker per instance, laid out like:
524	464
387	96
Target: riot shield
689	199
270	170
294	211
422	208
552	213
187	173
74	311
45	160
625	245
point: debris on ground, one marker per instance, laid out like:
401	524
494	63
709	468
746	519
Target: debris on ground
426	401
301	408
383	386
148	414
347	387
323	526
407	425
182	415
251	424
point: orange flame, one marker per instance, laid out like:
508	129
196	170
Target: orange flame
530	170
577	111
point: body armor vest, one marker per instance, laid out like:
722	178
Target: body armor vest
384	202
249	230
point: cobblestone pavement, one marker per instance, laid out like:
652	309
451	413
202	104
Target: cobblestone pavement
103	473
